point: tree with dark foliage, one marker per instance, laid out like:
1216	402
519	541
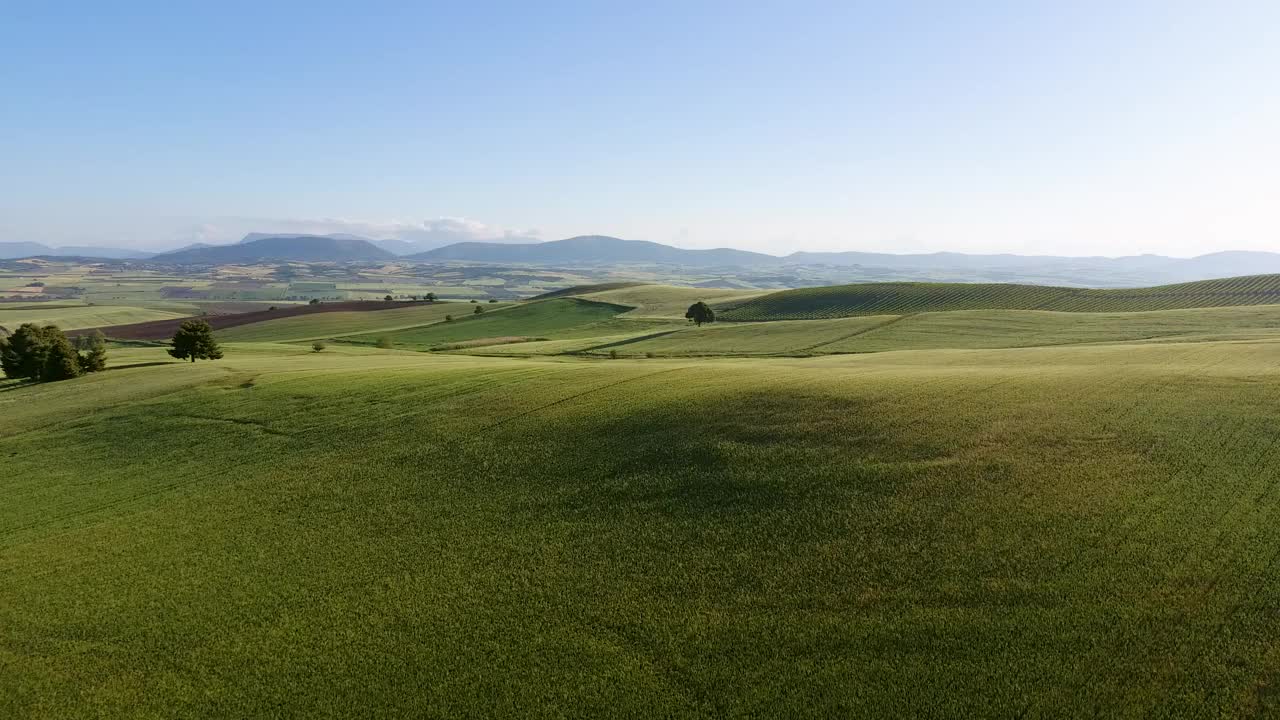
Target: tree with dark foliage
94	351
194	340
700	312
44	354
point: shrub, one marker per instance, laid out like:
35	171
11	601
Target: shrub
388	298
317	346
314	301
479	310
613	354
448	318
385	343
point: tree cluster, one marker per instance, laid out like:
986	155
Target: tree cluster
44	354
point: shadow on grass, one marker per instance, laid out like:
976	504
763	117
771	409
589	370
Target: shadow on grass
144	364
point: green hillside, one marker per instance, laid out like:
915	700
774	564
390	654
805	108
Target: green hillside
337	324
74	317
536	319
666	301
1012	533
899	298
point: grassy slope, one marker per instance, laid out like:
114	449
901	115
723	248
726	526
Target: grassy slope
752	338
72	317
959	329
337	324
1023	328
668	301
897	298
1030	532
534	319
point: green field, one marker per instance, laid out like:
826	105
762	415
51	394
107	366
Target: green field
665	301
534	319
74	316
981	513
337	324
899	298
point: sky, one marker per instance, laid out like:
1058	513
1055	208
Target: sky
1035	127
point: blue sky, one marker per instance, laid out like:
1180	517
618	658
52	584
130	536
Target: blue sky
1037	127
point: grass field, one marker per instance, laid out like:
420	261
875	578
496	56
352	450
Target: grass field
973	513
1088	530
337	324
900	298
663	301
536	319
70	316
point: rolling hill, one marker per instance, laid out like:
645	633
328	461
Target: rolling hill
296	248
898	298
1081	531
15	250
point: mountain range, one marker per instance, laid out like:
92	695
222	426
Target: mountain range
600	250
259	247
14	250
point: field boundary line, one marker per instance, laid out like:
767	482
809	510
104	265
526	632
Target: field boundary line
856	333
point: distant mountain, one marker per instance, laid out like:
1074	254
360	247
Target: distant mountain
13	251
593	250
258	247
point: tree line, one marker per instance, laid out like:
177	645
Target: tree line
44	354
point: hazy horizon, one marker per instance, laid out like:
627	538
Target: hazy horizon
1087	130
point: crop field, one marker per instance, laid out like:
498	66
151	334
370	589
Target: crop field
783	337
666	301
901	298
72	316
1092	530
996	513
337	324
1028	328
534	319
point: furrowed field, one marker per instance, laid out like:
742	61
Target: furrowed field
985	513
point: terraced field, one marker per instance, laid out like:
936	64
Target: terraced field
1082	530
900	298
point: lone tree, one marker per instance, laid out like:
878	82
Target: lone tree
194	340
317	346
479	310
700	312
429	297
388	298
44	354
